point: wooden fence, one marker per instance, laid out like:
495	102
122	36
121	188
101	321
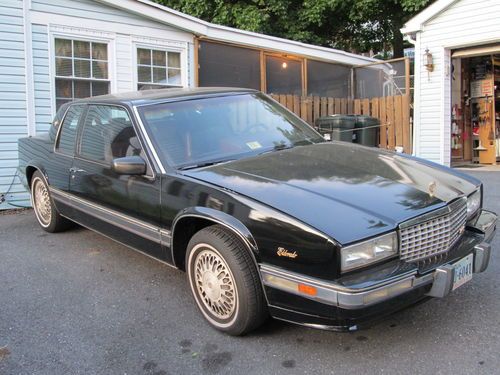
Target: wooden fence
392	111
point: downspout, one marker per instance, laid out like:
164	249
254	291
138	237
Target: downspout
416	96
409	39
28	66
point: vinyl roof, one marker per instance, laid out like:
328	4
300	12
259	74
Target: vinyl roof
161	95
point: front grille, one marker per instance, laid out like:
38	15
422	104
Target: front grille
433	234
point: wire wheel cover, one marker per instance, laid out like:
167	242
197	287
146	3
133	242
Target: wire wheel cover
215	284
42	202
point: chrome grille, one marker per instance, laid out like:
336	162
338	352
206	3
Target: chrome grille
432	234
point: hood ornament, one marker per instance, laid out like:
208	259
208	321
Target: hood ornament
432	189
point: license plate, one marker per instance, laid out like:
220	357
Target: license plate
463	271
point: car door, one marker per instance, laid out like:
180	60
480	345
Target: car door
124	207
58	168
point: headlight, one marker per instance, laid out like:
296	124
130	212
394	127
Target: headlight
367	252
473	203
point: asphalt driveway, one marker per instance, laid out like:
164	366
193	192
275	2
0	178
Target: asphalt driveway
78	303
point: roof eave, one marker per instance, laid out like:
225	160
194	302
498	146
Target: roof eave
221	33
417	23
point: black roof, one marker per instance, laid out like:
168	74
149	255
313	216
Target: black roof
163	95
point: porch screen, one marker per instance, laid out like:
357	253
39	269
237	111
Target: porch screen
325	79
370	82
224	65
283	76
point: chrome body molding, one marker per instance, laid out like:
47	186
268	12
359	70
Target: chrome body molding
337	295
251	246
123	243
128	223
151	148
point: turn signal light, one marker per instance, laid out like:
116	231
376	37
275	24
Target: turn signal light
307	289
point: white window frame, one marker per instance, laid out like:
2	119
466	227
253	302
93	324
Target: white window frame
164	48
85	36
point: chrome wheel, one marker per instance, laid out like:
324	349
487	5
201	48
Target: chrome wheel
214	283
41	202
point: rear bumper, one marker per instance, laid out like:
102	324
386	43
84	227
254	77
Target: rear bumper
341	307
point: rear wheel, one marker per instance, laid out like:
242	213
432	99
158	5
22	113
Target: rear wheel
224	281
45	211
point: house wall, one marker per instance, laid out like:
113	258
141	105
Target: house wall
27	101
464	23
13	102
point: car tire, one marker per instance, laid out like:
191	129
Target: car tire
45	211
224	281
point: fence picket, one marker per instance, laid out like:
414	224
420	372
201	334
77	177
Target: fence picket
296	105
343	106
303	109
331	106
398	119
357	106
383	122
289	102
406	124
391	141
283	99
316	102
323	106
337	109
309	106
365	107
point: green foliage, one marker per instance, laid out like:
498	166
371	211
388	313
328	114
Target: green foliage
355	25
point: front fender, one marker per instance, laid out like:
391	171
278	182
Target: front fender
221	218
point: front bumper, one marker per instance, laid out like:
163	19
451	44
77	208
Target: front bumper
408	287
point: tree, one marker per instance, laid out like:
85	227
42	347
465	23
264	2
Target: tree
354	25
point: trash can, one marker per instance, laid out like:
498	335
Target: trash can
338	127
367	130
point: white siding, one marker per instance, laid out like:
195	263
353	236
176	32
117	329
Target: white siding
41	77
91	19
37	27
464	23
12	98
93	10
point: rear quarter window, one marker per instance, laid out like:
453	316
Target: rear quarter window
67	136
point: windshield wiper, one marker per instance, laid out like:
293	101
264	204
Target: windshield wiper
204	164
279	147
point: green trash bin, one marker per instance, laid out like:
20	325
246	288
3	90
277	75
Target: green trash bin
368	136
339	127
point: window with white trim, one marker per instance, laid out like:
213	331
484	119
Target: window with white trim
158	69
81	69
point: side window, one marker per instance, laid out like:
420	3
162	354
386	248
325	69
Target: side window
66	142
108	134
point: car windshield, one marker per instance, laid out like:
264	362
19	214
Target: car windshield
199	132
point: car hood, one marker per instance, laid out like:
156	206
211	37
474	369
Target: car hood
348	192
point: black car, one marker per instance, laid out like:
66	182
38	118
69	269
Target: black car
264	215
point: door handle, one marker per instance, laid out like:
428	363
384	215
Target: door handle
75	170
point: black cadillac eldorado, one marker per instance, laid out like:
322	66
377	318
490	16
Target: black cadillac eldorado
264	215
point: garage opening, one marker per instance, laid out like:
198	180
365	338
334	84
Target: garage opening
475	110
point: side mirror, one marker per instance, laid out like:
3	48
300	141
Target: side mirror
130	165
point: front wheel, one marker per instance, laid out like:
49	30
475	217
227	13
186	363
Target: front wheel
224	281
